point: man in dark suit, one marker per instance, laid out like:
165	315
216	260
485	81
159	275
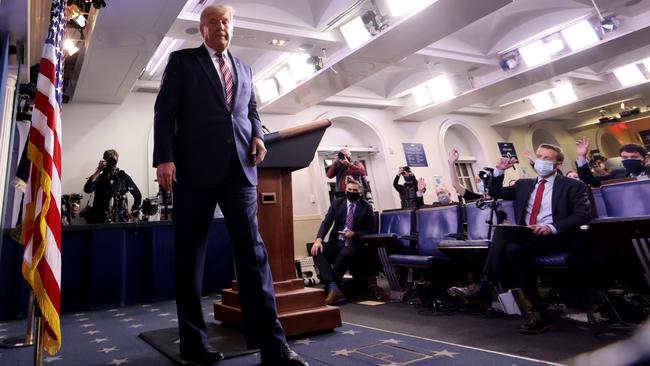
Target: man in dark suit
352	218
553	208
208	141
634	158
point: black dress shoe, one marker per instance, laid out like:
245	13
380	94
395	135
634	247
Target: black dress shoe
208	356
536	323
282	357
471	293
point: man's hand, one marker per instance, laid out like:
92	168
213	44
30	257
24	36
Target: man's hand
505	163
348	234
541	229
422	185
317	247
400	170
582	147
529	157
101	166
258	150
453	156
166	173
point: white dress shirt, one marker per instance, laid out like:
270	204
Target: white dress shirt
215	62
545	214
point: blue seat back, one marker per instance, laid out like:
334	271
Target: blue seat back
477	228
433	224
600	202
627	199
509	208
400	223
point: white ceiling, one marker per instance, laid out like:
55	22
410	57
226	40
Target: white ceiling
463	39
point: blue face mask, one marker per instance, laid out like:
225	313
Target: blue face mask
544	168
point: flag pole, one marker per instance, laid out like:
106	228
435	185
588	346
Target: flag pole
40	329
28	339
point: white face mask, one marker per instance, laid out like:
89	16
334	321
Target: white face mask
544	168
443	198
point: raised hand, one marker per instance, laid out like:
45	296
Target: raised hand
453	156
505	163
582	147
422	185
529	157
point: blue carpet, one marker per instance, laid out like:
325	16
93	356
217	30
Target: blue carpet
110	337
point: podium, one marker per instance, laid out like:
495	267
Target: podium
300	310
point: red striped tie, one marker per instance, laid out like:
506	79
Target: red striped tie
227	78
537	203
348	223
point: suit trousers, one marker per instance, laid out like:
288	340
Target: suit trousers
513	252
336	258
193	214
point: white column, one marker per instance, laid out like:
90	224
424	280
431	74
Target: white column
5	129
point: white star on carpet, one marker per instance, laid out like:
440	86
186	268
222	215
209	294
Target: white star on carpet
82	319
351	332
211	314
112	310
145	305
92	332
306	341
390	341
127	320
87	325
445	353
79	314
4	329
3	336
164	314
136	325
118	315
175	320
52	359
118	361
153	310
341	352
107	350
177	341
99	340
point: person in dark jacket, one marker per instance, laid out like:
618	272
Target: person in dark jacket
635	163
412	191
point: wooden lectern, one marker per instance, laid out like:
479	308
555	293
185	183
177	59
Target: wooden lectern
300	310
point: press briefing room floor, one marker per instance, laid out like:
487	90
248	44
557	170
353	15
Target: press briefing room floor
449	335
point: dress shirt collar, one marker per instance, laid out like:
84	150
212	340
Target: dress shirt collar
213	53
550	179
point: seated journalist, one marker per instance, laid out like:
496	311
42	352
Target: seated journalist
107	182
635	160
352	218
553	207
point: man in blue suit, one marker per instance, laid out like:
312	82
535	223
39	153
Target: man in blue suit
208	141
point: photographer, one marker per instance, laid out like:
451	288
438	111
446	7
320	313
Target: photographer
109	182
344	167
412	191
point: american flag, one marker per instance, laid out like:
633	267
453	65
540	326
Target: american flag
42	212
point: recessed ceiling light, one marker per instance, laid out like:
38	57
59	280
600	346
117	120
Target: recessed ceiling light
192	30
306	46
278	42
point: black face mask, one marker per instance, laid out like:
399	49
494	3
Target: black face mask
409	179
633	166
352	196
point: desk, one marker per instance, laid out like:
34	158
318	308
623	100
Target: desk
110	265
626	242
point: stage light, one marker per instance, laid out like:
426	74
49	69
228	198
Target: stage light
73	12
278	42
440	89
70	47
355	33
534	53
285	79
422	96
564	94
267	90
629	75
541	101
509	61
608	24
580	35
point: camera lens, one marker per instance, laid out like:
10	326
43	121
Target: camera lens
341	156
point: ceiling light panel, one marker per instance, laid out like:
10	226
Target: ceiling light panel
267	90
542	101
440	89
564	94
580	35
534	53
629	75
398	8
355	33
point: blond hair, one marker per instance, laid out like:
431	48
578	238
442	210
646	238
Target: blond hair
223	9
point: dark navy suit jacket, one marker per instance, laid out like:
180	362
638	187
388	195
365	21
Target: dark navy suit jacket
569	204
588	177
193	126
362	221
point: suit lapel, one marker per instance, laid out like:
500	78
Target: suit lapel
208	67
558	184
524	202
